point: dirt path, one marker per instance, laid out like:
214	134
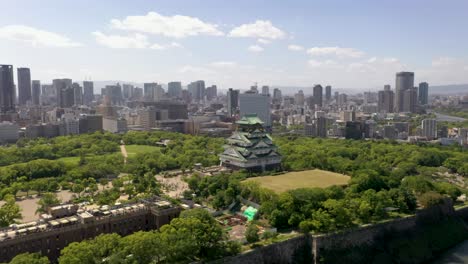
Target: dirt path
123	150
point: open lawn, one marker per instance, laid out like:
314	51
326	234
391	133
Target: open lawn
301	179
137	149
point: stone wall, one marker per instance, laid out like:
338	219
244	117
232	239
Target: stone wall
308	248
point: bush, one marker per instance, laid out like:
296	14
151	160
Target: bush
251	234
430	199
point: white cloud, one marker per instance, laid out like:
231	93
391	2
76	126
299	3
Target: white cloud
335	51
224	64
263	29
444	70
136	41
194	69
324	64
263	41
295	47
255	48
35	37
176	26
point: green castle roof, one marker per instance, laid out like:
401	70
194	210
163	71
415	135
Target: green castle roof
250	119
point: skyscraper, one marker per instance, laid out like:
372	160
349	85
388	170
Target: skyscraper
7	89
64	91
385	101
318	95
429	128
88	92
36	92
277	97
328	89
78	94
232	101
404	82
174	89
197	90
211	92
148	90
254	103
24	85
423	93
127	91
265	90
299	98
114	94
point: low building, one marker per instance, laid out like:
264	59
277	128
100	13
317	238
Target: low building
9	132
65	224
114	125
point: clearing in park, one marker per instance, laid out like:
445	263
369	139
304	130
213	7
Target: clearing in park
301	179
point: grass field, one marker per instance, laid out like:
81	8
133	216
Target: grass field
70	160
301	179
136	149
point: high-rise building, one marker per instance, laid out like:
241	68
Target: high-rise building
78	93
114	94
24	85
429	128
88	92
211	92
36	92
404	82
174	89
7	89
423	93
127	91
277	97
148	90
385	100
265	90
252	103
64	92
158	93
410	100
197	90
318	95
299	98
232	101
342	99
90	123
328	93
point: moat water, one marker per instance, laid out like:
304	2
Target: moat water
456	255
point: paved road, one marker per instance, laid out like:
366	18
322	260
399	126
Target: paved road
442	117
124	152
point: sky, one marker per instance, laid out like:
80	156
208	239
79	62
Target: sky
353	44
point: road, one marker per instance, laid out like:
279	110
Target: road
442	117
124	152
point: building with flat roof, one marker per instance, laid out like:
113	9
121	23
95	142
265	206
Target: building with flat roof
9	132
258	104
7	89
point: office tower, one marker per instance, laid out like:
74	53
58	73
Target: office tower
342	99
9	132
429	128
158	93
385	101
252	103
147	117
211	92
137	93
64	92
404	82
24	85
265	90
88	92
410	100
148	90
321	127
232	101
78	93
174	89
299	98
127	91
254	88
387	87
318	95
197	90
423	94
354	130
114	94
277	97
389	132
36	92
335	96
7	89
328	89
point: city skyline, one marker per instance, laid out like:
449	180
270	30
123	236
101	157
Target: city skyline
347	45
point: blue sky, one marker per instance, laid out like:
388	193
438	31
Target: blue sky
348	44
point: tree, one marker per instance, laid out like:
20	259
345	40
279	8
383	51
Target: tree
47	200
90	251
9	212
430	199
29	258
251	233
